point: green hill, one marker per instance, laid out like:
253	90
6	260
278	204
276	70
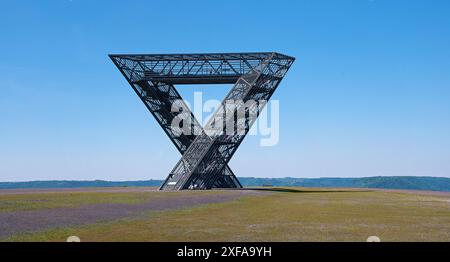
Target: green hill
391	182
388	182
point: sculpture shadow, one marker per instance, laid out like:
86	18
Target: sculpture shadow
295	190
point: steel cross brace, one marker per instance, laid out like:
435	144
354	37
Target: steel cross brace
205	157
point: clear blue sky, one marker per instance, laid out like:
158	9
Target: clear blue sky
369	93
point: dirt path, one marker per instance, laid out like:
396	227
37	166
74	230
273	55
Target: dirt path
16	222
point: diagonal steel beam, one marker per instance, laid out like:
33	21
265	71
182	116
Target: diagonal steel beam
209	154
159	98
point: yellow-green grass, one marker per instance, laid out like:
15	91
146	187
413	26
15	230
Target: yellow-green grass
298	215
69	199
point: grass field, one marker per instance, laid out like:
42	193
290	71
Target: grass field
276	214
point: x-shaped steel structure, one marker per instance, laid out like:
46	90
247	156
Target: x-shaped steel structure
205	155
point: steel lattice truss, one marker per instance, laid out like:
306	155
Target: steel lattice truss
205	157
